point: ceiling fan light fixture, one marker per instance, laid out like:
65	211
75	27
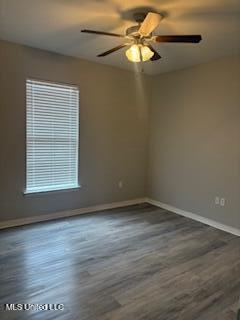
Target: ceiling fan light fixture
138	53
141	38
133	53
147	53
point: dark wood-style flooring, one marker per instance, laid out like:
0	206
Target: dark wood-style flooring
134	263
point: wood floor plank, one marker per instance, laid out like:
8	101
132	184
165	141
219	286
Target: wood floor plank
139	262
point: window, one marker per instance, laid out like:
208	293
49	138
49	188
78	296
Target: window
52	136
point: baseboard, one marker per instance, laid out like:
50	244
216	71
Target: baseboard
69	213
106	206
196	217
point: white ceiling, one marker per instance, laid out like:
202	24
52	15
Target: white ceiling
55	25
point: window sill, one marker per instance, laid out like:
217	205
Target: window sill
36	193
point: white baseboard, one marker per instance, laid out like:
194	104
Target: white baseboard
106	206
69	213
196	217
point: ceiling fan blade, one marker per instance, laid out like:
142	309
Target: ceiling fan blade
112	50
103	33
184	38
156	55
150	23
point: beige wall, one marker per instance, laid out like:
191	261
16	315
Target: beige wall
113	131
195	139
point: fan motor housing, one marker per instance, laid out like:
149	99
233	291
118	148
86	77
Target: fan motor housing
139	18
132	31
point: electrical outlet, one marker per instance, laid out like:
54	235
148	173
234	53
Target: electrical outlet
217	200
222	202
120	184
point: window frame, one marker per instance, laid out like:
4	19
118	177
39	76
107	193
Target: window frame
27	193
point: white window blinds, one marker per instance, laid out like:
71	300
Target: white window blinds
52	136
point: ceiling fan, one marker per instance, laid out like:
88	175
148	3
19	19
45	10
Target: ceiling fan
139	38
